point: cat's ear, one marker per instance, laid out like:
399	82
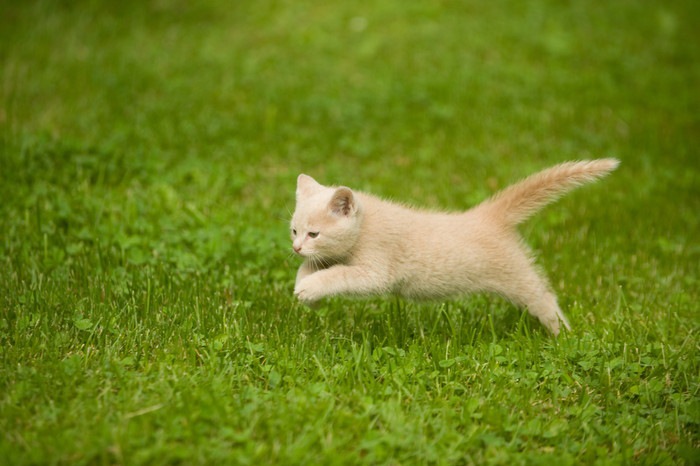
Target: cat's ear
343	202
307	186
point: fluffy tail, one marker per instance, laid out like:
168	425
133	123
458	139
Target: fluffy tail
518	202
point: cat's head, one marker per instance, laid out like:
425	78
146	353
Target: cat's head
326	222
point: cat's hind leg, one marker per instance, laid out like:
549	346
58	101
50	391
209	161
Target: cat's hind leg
547	311
525	286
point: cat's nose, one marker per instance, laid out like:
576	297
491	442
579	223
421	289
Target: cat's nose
296	248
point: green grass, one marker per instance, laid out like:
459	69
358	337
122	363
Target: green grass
148	158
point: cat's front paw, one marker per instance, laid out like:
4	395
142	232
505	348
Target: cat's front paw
308	290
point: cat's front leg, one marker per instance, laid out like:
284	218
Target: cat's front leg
340	279
304	271
308	290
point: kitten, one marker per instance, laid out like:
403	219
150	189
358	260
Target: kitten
357	244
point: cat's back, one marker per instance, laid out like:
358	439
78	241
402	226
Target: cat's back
382	215
409	229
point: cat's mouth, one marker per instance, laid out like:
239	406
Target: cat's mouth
299	252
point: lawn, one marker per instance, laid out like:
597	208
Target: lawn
148	159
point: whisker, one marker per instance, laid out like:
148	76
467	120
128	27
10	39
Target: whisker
287	218
321	262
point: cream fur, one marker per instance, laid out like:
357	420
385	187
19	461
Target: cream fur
357	244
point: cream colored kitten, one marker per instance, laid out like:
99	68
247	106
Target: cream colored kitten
356	244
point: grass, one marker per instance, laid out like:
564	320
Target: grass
148	155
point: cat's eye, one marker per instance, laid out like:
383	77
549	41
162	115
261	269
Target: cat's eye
313	234
294	232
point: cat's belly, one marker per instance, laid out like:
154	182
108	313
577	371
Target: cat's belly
431	288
